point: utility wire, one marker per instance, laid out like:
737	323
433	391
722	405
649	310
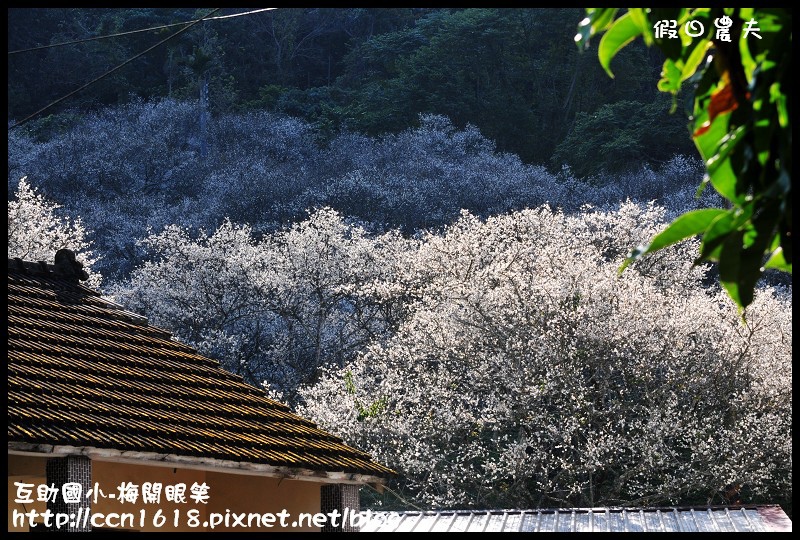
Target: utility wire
112	70
41	47
402	499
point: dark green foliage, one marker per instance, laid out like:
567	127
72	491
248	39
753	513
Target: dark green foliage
513	73
623	135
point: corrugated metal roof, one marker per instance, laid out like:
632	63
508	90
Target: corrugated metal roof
84	373
762	518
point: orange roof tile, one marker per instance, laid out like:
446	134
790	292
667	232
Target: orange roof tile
83	372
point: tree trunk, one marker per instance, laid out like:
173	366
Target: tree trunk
204	114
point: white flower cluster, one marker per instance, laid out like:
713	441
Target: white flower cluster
502	362
276	309
36	231
528	373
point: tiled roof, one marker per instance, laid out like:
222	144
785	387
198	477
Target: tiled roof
83	372
762	518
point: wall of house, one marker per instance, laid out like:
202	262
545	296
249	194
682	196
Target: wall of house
27	470
146	517
229	496
259	494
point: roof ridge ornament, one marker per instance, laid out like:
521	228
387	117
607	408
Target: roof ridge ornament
67	266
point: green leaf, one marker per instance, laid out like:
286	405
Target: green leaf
596	21
750	268
685	226
777	261
670	77
748	62
715	146
724	181
602	18
708	143
779	99
729	264
622	32
740	264
726	146
696	57
639	16
720	229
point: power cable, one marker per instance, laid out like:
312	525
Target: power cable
61	44
112	70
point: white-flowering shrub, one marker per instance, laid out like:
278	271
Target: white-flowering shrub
36	230
528	373
204	290
274	310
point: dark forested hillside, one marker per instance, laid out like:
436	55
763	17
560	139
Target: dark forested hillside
515	74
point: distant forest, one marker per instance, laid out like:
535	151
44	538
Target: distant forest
515	74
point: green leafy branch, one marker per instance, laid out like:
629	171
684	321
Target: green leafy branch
370	411
740	124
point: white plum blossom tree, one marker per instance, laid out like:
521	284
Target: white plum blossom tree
204	290
529	374
36	230
322	286
277	309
